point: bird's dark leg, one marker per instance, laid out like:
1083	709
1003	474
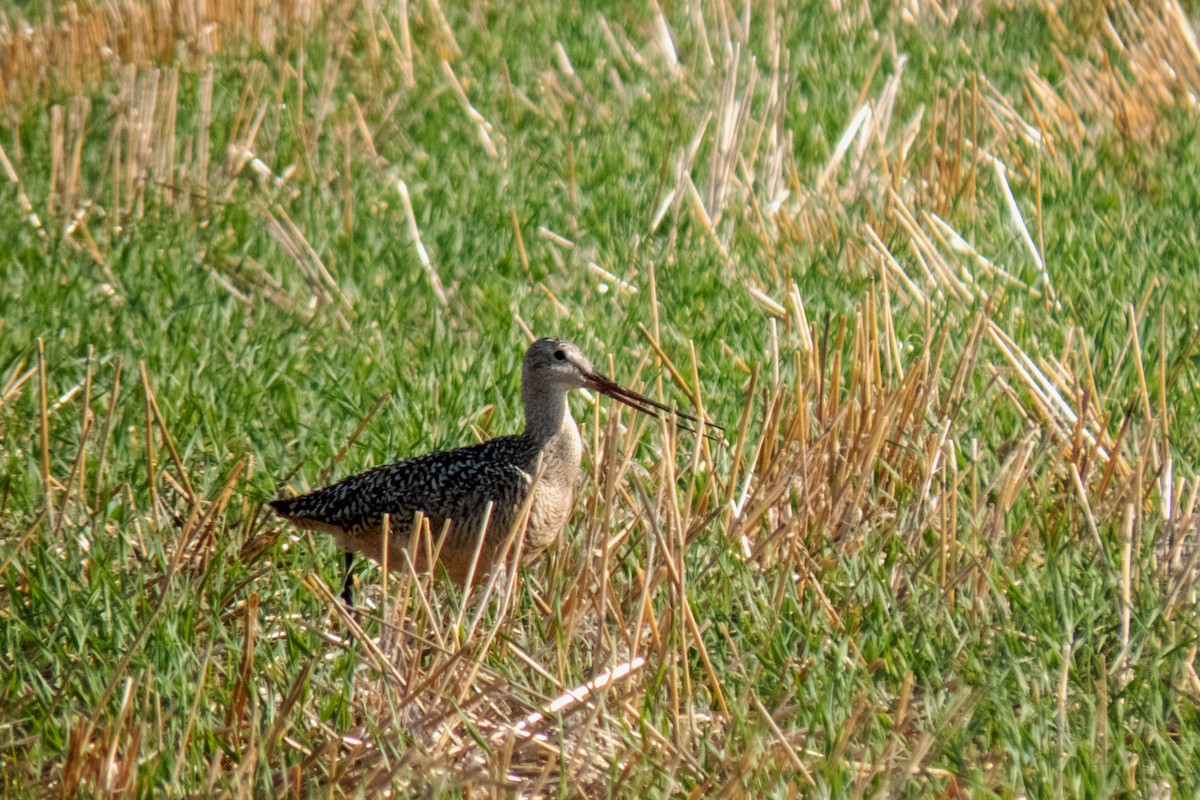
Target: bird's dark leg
348	584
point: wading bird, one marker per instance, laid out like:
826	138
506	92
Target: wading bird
477	491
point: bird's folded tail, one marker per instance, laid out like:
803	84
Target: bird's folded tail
308	512
285	506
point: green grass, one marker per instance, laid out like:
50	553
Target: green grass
925	608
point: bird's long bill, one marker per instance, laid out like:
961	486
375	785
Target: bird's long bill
616	391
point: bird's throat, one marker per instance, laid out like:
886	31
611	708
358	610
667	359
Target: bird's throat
546	413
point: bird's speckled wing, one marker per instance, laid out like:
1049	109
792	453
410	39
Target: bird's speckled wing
451	484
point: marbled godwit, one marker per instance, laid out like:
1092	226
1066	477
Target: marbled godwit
455	487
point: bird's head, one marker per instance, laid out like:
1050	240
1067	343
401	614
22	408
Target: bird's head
556	363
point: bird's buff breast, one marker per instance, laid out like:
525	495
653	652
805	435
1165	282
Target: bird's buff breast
554	493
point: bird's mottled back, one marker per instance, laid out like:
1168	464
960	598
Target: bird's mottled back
447	485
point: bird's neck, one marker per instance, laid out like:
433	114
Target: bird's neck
546	413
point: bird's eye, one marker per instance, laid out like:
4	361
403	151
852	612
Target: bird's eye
559	355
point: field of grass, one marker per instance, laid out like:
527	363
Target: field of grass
932	265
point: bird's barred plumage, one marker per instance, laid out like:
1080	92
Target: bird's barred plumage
453	485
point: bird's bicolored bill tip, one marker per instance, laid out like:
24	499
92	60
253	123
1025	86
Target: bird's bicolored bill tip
637	401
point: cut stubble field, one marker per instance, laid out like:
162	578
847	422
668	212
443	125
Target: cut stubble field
932	266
